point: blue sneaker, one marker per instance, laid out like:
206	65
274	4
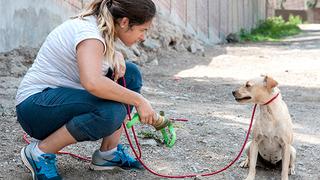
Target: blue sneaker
119	159
42	167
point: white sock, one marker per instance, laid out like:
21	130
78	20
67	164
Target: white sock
36	151
106	154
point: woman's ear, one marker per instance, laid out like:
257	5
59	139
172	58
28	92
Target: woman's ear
124	23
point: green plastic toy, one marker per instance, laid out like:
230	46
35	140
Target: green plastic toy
163	124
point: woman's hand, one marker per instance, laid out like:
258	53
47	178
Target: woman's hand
120	67
146	112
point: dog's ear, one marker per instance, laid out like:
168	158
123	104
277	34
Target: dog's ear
270	82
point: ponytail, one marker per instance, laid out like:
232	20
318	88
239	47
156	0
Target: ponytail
106	25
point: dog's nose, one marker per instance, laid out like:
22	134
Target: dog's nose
233	93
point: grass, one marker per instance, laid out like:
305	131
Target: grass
272	29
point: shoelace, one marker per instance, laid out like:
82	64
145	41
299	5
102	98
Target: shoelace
48	165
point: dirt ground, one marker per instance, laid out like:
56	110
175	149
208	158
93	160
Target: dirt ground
197	88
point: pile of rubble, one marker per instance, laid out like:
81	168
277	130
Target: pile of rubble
164	36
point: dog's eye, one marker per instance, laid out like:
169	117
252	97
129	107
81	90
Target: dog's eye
248	85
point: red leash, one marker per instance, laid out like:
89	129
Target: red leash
271	100
138	156
88	159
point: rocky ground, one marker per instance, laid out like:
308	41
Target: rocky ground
198	88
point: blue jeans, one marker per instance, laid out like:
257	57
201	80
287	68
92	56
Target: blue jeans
87	117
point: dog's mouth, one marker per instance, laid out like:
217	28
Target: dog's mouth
243	98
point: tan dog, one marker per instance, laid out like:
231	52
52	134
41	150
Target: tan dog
272	130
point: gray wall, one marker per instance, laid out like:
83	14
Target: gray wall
213	20
28	22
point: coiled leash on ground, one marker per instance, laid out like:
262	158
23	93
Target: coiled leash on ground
169	141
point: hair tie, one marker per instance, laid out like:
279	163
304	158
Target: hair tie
109	3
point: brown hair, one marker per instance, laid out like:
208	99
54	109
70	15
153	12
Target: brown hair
109	11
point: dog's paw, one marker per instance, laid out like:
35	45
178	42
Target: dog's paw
244	164
250	178
292	171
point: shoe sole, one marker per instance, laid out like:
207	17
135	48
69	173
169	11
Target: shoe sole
102	168
27	163
110	168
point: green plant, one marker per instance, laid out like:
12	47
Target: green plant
150	135
272	29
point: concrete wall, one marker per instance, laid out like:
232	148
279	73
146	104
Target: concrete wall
314	15
292	4
296	8
295	4
28	22
286	14
213	20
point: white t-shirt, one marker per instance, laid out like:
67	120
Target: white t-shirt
56	63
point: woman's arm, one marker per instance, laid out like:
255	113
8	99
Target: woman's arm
90	56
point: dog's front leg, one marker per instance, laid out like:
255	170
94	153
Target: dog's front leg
245	163
285	161
253	155
293	154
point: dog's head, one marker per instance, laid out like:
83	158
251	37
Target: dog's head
257	91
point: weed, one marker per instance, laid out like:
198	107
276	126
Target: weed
272	29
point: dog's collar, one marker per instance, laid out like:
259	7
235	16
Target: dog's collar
271	100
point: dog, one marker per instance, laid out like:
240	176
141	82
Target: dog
272	129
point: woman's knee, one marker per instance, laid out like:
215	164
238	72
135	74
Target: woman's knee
112	115
100	123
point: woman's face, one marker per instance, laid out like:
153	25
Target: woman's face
131	35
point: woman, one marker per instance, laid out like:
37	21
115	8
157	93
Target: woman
66	98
